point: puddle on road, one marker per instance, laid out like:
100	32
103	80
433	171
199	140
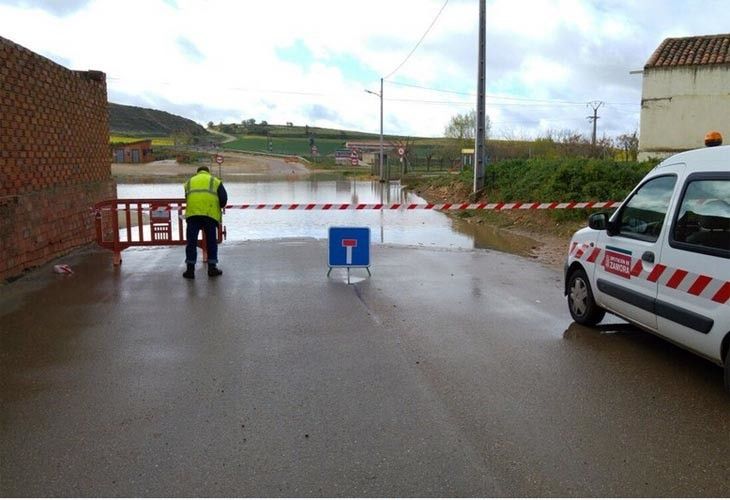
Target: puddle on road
489	236
427	228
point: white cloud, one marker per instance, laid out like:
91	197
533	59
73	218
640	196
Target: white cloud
228	67
536	71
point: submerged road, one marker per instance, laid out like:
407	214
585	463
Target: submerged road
447	373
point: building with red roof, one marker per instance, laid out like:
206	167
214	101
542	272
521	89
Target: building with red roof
685	93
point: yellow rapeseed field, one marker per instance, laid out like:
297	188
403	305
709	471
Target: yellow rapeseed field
156	141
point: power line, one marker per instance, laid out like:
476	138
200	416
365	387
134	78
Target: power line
489	103
536	121
422	101
471	94
236	89
595	105
520	101
419	41
271	91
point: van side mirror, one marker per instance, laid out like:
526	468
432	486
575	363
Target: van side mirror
598	221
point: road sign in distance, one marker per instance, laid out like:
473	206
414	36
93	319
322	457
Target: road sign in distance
219	159
401	151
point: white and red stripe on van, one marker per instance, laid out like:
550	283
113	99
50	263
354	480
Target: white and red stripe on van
699	285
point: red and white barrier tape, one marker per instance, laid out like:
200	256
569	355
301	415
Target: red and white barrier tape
62	269
426	206
161	206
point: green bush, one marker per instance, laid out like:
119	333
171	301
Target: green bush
550	179
569	179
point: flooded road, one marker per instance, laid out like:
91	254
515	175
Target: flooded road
427	228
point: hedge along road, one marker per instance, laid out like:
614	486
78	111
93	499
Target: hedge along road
446	373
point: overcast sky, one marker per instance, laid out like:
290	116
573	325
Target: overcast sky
309	61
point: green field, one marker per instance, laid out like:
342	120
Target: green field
156	141
285	145
326	146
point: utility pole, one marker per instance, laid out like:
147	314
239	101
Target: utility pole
382	177
595	105
479	153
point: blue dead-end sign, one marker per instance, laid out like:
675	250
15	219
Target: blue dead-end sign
349	247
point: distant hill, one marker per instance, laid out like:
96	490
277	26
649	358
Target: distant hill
131	120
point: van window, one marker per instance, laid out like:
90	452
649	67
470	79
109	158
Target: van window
643	215
703	220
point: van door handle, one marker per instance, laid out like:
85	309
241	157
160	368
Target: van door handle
648	257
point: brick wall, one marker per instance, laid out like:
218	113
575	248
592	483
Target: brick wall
54	157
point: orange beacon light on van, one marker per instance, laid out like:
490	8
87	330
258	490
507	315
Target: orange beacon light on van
713	138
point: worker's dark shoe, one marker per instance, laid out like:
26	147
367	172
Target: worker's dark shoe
189	272
213	270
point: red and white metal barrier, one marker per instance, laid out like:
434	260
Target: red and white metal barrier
125	223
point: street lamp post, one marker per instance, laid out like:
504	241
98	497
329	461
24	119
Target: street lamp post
382	178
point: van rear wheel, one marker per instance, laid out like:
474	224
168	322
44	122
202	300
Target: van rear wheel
582	306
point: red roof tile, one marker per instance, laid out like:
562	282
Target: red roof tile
691	51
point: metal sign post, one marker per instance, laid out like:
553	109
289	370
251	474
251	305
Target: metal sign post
219	161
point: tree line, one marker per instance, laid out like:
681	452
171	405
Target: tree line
554	143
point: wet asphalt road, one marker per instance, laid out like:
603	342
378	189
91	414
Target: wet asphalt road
448	373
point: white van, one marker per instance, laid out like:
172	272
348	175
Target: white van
662	260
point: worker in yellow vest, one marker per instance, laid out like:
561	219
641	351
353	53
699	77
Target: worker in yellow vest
205	197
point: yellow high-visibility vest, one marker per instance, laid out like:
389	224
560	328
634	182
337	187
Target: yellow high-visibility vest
201	196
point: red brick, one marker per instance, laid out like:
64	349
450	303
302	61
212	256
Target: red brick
53	143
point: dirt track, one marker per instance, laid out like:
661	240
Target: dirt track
234	164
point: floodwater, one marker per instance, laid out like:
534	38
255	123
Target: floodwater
428	228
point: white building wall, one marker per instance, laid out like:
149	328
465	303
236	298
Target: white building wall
679	105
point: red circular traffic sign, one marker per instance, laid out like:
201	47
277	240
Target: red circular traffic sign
219	159
401	151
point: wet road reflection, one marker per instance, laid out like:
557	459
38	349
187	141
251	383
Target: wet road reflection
400	227
644	355
447	365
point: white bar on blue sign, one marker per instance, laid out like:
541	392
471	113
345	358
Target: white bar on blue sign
349	247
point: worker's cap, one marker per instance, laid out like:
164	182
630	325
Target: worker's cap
203	169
